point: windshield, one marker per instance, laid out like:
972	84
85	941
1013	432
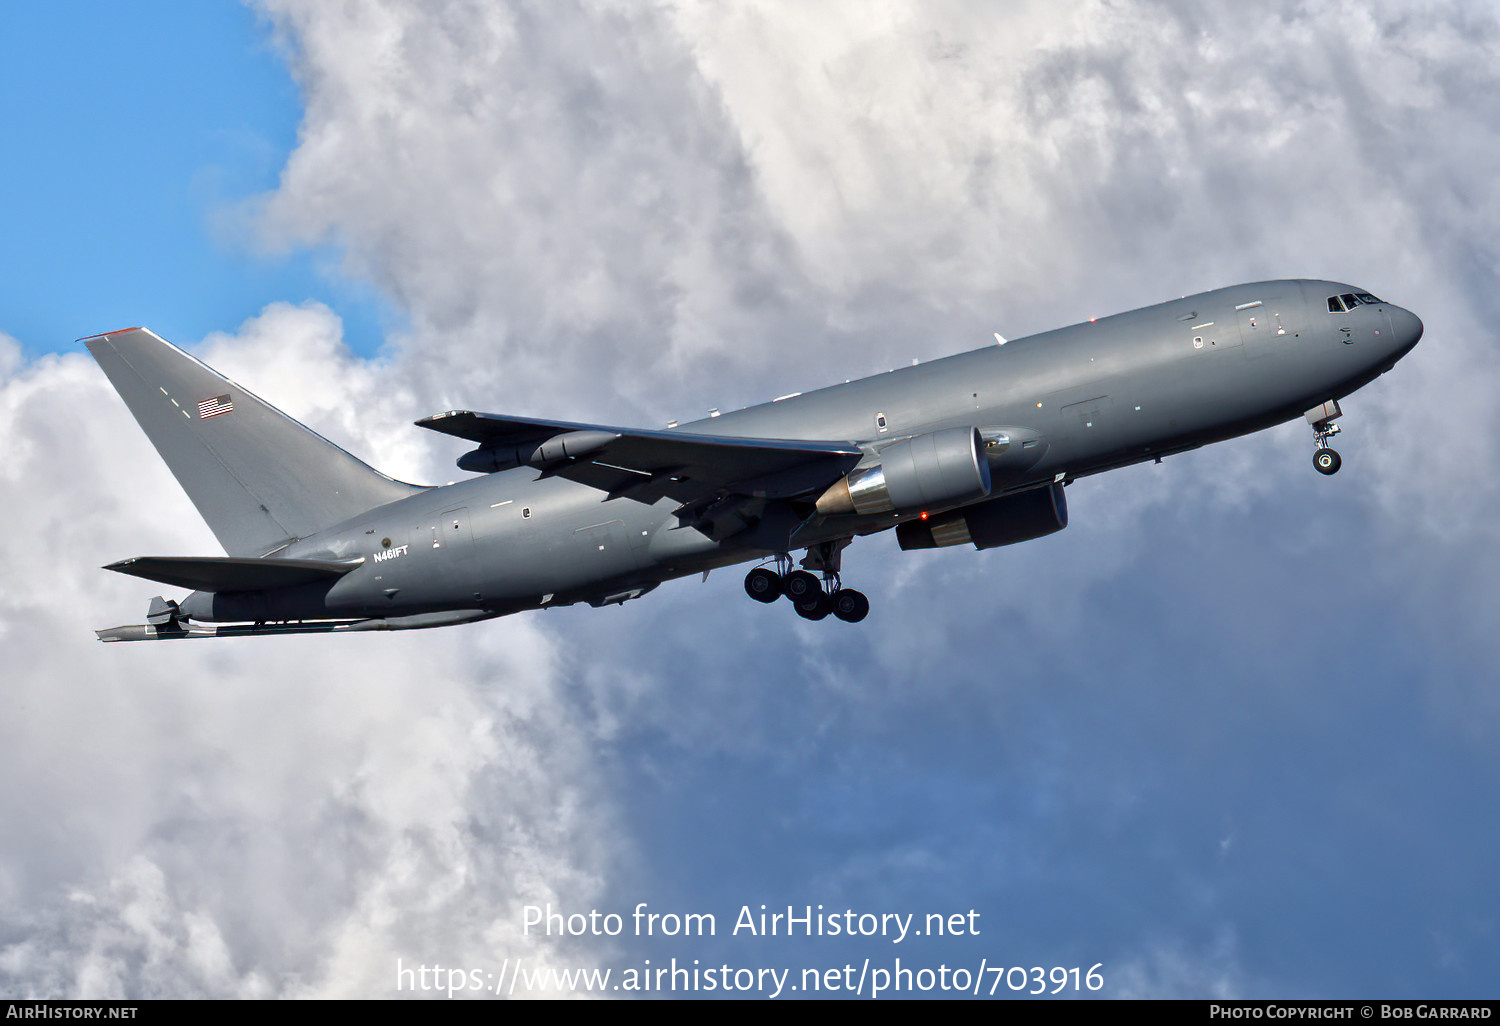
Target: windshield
1349	300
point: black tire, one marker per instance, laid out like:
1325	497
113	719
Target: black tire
815	607
1327	461
763	585
800	584
850	606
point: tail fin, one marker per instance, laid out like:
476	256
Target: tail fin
257	476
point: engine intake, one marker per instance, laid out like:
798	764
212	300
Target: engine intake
931	471
1003	521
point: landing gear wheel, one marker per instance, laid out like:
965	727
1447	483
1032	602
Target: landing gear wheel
1322	418
850	606
763	585
799	585
814	607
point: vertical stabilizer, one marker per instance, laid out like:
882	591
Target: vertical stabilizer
257	476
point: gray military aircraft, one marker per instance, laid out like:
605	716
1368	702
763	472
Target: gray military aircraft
973	449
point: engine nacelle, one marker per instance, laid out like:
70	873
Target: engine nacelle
1003	521
931	471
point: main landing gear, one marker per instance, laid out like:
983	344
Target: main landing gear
814	598
1325	459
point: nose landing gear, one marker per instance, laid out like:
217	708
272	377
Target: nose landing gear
812	597
1325	459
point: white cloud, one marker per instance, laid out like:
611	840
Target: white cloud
261	818
1168	971
617	211
609	211
548	191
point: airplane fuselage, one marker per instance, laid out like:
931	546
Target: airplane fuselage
1107	393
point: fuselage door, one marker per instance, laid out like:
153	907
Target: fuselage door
450	552
1269	325
1365	321
1257	328
602	551
1082	419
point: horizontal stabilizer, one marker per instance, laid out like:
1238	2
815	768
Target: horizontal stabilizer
179	631
233	573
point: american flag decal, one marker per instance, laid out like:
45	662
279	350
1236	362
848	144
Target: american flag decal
215	406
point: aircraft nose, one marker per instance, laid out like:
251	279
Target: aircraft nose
1406	327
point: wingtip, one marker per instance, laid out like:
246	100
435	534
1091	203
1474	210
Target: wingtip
427	422
118	331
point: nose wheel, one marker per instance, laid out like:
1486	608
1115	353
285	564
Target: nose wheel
814	598
1325	459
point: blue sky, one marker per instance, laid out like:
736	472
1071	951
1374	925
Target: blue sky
1231	733
136	133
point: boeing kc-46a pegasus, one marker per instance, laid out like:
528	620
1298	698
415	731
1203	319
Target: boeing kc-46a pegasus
973	449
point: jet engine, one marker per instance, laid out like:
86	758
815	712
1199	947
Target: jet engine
931	471
1003	521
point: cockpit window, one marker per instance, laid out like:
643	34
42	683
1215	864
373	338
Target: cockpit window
1365	297
1349	301
1334	306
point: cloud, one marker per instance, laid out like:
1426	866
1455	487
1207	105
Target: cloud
1169	971
544	189
624	212
615	211
256	820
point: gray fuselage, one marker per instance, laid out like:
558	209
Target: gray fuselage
1075	401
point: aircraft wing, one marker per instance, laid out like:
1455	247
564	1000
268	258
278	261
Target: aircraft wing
717	479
